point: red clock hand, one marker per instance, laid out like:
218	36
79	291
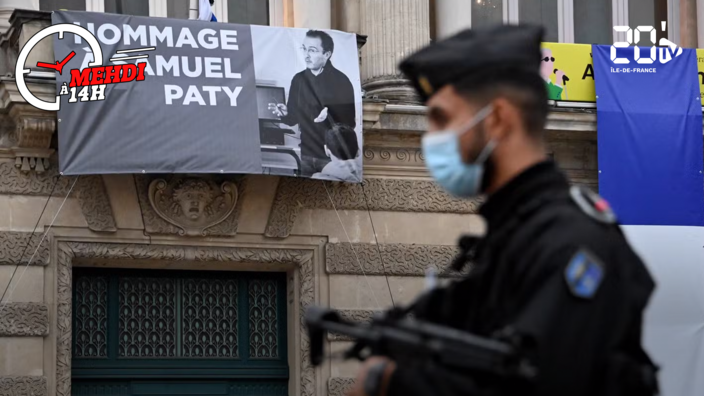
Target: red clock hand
59	65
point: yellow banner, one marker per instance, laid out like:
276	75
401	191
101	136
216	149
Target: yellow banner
568	72
700	64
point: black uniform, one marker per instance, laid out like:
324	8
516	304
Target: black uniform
551	272
553	267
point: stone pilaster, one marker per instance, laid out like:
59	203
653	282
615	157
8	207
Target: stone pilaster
350	18
395	29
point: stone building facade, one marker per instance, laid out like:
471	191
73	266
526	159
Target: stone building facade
286	243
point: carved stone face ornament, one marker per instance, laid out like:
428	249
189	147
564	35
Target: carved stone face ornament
192	204
193	196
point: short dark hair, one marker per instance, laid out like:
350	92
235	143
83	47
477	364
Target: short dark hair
342	142
327	43
525	89
212	2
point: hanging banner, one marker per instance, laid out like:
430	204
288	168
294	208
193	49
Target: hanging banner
568	72
649	134
649	127
180	96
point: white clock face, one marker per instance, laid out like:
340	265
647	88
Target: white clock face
20	71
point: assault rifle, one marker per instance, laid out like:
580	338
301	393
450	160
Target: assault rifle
404	339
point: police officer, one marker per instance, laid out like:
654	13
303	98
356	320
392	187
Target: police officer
553	266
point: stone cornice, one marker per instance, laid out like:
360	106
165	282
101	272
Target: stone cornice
24	320
411	119
23	386
396	259
396	195
44	89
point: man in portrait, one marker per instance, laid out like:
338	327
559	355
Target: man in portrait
320	97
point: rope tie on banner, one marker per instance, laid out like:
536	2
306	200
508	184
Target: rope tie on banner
9	296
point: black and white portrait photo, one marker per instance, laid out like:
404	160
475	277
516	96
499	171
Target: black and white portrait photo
309	94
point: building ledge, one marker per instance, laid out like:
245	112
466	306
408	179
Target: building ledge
410	119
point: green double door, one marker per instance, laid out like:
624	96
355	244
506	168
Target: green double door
178	333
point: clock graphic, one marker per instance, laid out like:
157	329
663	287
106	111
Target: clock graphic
21	72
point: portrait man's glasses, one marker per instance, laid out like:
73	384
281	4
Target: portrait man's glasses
549	59
311	50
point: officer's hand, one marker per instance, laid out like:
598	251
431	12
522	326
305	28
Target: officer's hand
279	110
358	388
322	116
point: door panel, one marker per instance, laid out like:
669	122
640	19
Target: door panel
178	333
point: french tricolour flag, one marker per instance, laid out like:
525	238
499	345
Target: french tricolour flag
651	164
205	11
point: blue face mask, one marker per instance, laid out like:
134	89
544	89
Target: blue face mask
444	159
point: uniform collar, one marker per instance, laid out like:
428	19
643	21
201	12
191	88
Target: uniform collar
541	179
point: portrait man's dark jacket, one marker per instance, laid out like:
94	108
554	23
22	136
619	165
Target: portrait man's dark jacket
309	95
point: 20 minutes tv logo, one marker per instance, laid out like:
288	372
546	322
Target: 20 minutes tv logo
667	49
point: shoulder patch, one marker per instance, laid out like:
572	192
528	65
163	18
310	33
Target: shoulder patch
584	274
593	204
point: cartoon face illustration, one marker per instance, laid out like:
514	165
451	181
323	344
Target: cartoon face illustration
547	64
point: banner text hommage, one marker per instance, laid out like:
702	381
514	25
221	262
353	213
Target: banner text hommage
176	66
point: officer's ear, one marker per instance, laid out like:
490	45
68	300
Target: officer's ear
503	120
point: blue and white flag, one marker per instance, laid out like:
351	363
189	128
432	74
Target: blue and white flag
205	11
651	169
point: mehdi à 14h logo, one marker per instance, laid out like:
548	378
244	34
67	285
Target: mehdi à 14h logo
88	84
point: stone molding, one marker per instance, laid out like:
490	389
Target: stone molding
154	223
396	195
13	181
371	111
24	320
394	89
13	244
23	386
381	160
68	251
90	189
339	386
95	204
394	155
398	259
